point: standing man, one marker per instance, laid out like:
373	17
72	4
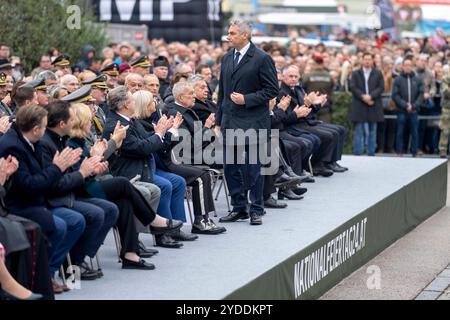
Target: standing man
248	82
408	95
319	79
367	86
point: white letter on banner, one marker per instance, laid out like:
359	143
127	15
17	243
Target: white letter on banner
146	10
167	9
105	10
125	9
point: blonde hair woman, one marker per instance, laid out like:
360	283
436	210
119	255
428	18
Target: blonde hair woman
120	191
145	105
199	179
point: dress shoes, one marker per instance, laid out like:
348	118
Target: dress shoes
307	177
172	225
33	296
207	226
86	273
57	288
285	181
299	190
274	203
321	170
308	180
146	252
166	241
255	219
334	167
235	216
140	265
179	235
339	166
288	194
290	172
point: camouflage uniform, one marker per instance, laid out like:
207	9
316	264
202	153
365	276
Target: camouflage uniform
320	80
444	123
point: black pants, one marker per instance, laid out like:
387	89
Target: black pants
30	267
202	196
328	142
131	204
296	150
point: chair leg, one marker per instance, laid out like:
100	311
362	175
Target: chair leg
98	262
310	165
220	188
188	200
63	275
225	188
117	241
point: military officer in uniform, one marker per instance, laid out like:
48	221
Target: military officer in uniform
99	91
141	66
111	72
40	88
62	63
444	123
83	95
4	108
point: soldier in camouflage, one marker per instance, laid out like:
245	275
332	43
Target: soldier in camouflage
444	123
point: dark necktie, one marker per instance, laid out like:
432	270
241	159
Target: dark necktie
236	58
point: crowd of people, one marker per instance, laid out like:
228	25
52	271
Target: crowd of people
89	146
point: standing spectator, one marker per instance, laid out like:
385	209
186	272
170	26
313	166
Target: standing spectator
4	53
408	96
429	87
386	129
444	123
161	70
319	79
367	86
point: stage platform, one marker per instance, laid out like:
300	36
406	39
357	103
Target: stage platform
299	252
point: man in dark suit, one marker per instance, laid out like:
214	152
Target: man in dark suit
30	184
367	86
248	82
327	139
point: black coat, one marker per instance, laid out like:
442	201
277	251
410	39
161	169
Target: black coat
256	78
136	154
188	172
359	110
297	95
31	182
192	123
400	91
204	109
63	194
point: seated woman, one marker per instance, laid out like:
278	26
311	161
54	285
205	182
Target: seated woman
198	178
118	190
136	157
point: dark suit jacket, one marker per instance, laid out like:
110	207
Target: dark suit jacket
63	192
204	109
256	78
32	181
190	119
359	110
297	96
136	154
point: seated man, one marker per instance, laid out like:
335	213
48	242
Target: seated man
330	137
198	178
27	196
137	158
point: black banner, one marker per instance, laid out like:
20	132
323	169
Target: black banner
173	20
